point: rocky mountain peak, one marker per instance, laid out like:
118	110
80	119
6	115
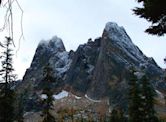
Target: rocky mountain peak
112	26
116	33
117	54
120	39
47	49
54	44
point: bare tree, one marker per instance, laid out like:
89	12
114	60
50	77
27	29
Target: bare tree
8	18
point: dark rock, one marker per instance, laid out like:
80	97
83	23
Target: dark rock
79	76
52	52
117	54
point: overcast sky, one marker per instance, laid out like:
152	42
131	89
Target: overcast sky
74	21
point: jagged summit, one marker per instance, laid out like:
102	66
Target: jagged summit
118	36
113	26
117	54
117	33
54	43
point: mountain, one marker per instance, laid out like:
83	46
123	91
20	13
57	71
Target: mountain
97	70
48	51
101	68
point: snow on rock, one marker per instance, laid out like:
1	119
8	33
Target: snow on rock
139	74
90	68
53	43
64	94
119	36
76	97
61	95
91	99
159	94
43	96
63	64
57	41
59	57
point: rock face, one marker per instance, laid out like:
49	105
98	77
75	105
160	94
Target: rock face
101	68
80	73
117	55
53	52
98	69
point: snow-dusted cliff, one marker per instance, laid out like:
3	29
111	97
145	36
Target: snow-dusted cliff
98	69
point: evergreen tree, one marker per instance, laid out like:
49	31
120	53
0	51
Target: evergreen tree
165	100
141	100
6	93
122	118
153	11
117	115
134	99
48	102
20	108
148	94
114	116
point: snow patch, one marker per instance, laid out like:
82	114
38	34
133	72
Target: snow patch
61	95
90	68
63	60
159	94
92	99
77	97
139	74
43	96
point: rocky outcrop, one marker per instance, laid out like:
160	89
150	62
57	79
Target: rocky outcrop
80	73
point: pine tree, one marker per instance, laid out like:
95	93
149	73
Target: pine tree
48	102
48	105
134	99
141	100
20	107
148	95
114	116
153	11
122	118
7	95
117	115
